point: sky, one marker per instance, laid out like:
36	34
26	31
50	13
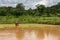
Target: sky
28	3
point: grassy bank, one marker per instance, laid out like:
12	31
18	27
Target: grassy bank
30	27
30	19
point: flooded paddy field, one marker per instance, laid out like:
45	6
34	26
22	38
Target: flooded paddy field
47	32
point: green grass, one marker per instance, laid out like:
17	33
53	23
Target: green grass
30	19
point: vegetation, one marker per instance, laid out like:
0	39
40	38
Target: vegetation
30	19
41	14
29	26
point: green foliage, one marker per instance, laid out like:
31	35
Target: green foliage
40	10
42	14
20	7
30	19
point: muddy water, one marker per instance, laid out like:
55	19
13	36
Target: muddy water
30	34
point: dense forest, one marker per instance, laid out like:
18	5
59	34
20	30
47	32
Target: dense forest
40	10
41	14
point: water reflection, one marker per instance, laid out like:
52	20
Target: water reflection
27	34
37	35
49	37
30	35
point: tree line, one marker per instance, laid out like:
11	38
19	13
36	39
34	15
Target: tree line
40	10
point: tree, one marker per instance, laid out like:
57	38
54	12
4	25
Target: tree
31	12
20	6
3	11
41	9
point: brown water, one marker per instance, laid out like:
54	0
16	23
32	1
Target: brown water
30	34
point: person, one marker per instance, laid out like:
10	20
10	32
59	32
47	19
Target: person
16	24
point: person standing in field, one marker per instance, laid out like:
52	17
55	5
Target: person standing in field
16	24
